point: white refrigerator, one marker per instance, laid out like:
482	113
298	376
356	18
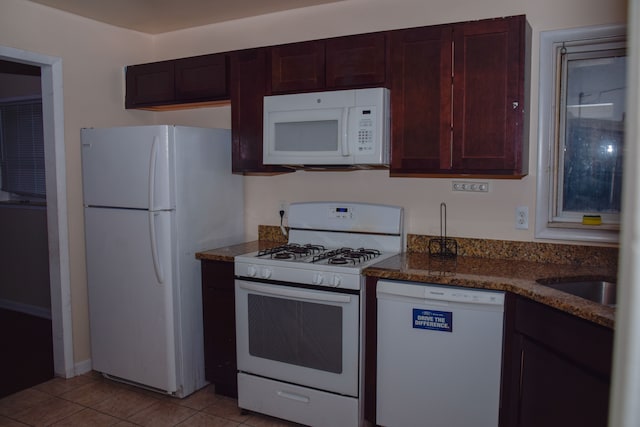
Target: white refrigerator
153	197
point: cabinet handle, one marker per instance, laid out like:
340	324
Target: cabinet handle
515	104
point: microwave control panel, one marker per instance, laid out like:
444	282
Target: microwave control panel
365	129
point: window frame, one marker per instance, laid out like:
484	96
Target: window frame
545	227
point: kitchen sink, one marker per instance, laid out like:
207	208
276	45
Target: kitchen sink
600	291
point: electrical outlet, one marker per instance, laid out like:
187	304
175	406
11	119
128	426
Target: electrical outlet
284	206
522	217
475	187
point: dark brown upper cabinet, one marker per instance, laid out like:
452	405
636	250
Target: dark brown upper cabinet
337	63
489	98
150	84
202	78
165	84
420	96
356	61
458	92
248	85
297	67
458	97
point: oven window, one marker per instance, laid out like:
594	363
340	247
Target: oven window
296	332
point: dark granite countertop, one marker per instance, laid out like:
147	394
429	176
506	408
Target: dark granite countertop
227	253
484	264
518	277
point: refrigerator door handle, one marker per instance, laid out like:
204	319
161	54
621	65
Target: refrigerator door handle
152	171
157	266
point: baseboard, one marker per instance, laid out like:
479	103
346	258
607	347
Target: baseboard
82	367
29	309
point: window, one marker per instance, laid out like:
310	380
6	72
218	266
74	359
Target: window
22	149
581	132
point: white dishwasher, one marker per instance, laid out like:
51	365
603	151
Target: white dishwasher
439	355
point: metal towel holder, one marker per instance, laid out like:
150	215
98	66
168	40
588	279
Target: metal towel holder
443	247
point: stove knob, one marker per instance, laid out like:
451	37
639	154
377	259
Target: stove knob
335	282
251	271
266	273
318	278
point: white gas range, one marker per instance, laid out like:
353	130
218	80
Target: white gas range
300	312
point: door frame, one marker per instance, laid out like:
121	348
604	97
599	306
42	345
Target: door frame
57	224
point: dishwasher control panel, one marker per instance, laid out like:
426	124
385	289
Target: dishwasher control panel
443	293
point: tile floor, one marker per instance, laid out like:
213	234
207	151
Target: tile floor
91	400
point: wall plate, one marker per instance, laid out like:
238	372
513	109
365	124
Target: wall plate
475	187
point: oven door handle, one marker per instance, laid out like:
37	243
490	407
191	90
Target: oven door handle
294	293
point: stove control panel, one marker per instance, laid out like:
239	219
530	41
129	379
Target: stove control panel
340	212
346	216
324	278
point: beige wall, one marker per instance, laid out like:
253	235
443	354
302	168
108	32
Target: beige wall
93	57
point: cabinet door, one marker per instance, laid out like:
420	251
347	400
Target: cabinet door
420	100
488	106
247	90
149	84
356	61
556	392
562	369
218	308
201	78
297	67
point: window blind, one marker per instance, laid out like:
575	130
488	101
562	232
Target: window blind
22	148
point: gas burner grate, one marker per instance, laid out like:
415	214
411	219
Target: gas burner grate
291	251
346	255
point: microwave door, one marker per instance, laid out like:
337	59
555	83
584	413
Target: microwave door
307	137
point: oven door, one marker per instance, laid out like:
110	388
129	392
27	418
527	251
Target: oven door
301	336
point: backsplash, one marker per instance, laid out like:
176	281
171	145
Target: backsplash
272	233
552	253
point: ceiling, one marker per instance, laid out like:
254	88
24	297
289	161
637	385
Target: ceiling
159	16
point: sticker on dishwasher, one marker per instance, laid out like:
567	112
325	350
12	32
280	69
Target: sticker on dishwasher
433	320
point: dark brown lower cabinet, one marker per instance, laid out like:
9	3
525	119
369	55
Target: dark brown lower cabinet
558	392
561	369
370	349
218	305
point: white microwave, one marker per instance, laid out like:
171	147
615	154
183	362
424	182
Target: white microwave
332	129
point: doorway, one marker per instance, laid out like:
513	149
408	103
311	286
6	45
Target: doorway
57	231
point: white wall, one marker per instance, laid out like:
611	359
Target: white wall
94	55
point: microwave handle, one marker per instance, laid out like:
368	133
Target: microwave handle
345	132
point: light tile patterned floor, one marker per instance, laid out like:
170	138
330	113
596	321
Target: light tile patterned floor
90	400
